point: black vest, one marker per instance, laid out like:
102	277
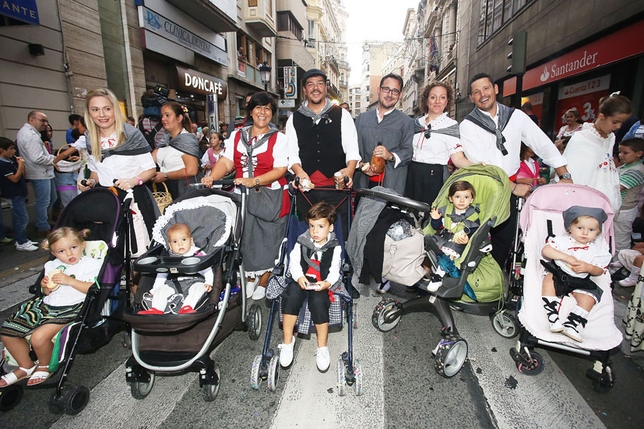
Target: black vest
321	144
325	263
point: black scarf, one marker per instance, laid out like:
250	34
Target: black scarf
306	242
134	144
250	148
485	121
315	117
452	130
183	142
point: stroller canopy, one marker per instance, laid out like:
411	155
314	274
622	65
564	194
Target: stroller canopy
210	218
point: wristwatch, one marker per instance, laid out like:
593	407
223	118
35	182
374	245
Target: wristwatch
257	184
392	158
566	176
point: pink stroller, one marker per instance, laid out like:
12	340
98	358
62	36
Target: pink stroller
541	218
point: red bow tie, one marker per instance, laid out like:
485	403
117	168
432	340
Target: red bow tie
578	248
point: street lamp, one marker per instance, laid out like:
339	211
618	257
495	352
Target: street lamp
265	72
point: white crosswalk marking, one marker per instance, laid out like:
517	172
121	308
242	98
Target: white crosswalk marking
307	386
547	400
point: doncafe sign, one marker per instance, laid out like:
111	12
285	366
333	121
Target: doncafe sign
194	81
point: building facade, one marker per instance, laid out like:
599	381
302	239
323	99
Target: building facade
569	62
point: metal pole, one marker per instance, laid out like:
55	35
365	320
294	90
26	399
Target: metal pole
212	110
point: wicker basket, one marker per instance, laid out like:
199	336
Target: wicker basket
65	166
163	198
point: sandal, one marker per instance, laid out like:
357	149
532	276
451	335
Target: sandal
11	378
39	376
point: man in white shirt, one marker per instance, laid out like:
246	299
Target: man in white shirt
492	134
39	167
322	141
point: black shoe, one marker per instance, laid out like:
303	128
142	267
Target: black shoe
355	294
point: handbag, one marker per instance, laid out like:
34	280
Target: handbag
163	198
265	203
402	260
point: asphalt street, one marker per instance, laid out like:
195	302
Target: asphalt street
401	388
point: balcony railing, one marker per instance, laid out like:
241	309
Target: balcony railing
249	73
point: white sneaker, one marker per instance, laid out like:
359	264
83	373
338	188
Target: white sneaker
322	358
628	282
259	294
435	282
286	353
556	326
572	333
383	287
250	287
27	246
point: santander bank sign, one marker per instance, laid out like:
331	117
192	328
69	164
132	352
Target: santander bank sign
624	43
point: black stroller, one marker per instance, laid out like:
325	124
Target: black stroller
266	366
477	268
99	319
172	343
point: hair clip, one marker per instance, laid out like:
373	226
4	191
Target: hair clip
616	93
184	108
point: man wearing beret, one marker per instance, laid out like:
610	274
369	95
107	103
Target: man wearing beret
322	142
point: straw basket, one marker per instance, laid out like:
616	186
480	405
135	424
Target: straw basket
65	166
163	198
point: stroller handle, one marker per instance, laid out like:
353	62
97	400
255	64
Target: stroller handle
399	200
215	184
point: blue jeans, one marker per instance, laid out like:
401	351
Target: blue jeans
19	219
45	191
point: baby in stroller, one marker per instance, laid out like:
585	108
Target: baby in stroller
574	258
453	224
314	267
163	298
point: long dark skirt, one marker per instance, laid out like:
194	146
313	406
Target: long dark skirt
424	181
261	242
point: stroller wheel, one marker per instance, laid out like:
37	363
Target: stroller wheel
386	315
10	396
273	373
357	371
254	322
603	382
342	378
535	365
255	379
505	324
451	353
209	392
141	389
75	400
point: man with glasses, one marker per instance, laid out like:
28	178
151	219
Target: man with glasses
492	134
322	142
385	132
39	167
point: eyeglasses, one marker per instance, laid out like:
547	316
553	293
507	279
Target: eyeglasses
387	90
428	131
43	120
